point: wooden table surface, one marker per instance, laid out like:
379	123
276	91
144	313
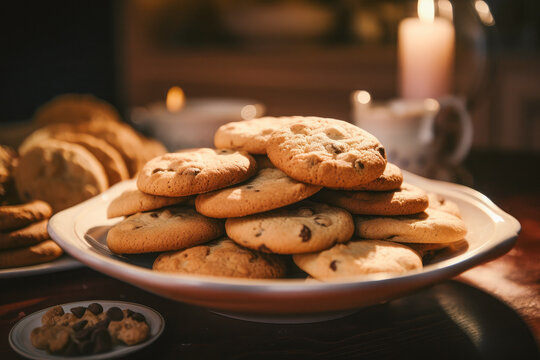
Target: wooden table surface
491	311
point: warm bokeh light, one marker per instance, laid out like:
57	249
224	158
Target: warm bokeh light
426	10
445	9
175	99
482	9
431	104
248	112
363	97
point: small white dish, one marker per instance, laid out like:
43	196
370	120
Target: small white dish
64	262
19	336
81	231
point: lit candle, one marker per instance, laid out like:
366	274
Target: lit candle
426	54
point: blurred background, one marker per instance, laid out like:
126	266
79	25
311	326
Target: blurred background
297	57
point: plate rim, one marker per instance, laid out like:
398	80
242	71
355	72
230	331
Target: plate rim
107	355
65	262
507	229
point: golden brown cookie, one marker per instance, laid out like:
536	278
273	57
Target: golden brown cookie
29	235
195	171
59	173
74	108
300	228
407	200
326	152
430	226
439	202
269	189
172	228
18	216
222	258
133	200
42	252
391	179
249	135
112	161
360	258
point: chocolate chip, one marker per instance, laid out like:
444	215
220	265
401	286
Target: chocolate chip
78	311
72	349
95	308
86	347
129	312
79	325
305	234
335	148
333	265
138	317
256	190
83	334
382	152
249	187
358	165
154	215
259	233
137	227
103	341
322	221
441	201
264	249
115	314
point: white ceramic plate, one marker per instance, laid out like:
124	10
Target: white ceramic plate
81	231
64	262
19	336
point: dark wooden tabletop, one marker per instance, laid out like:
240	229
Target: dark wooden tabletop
489	312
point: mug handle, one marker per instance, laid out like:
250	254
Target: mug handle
466	136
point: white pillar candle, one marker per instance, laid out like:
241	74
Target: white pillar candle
426	54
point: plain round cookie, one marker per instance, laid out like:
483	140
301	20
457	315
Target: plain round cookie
439	202
409	199
359	258
430	226
108	156
222	258
269	189
171	228
249	135
326	152
133	200
18	216
59	173
300	228
42	252
26	236
195	171
391	179
74	108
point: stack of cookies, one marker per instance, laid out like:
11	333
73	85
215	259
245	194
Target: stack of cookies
315	190
81	148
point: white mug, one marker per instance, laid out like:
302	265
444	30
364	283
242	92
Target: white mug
407	130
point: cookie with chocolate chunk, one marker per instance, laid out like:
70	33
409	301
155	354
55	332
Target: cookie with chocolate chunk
195	171
326	152
360	258
407	200
391	179
222	257
269	189
300	228
171	228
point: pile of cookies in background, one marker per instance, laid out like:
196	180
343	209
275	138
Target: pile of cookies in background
282	197
79	149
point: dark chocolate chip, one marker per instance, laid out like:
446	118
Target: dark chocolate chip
154	215
78	311
256	190
95	308
333	265
335	149
382	152
102	341
358	165
259	233
115	314
305	234
72	349
86	347
138	317
264	249
83	334
79	325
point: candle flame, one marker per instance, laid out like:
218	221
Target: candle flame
426	10
175	99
